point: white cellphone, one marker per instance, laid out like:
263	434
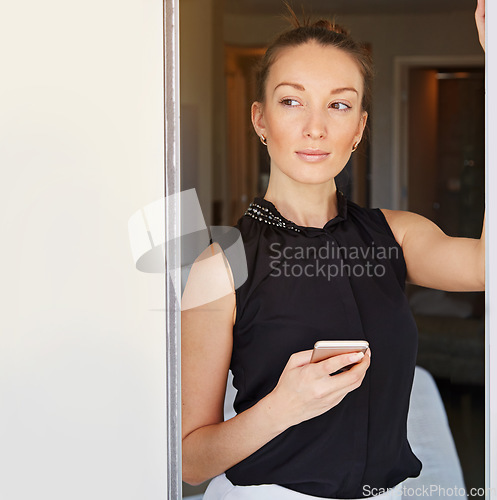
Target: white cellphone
324	349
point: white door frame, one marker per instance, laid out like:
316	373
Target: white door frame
172	247
491	248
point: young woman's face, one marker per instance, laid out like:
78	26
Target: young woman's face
312	115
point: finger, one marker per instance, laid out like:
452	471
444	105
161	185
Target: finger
480	8
334	363
353	377
480	21
342	383
354	372
362	365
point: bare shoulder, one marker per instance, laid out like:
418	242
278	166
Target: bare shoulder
210	279
402	222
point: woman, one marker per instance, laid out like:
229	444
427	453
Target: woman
319	268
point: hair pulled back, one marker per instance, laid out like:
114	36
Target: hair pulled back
325	33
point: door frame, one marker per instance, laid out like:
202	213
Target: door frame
402	65
172	228
172	247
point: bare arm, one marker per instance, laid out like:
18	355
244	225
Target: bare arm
434	259
210	445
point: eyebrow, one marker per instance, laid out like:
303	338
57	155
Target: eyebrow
302	88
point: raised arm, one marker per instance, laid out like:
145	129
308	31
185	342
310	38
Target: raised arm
436	260
211	445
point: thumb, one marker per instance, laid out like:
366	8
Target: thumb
300	358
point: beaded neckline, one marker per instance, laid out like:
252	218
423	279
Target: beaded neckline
263	214
265	211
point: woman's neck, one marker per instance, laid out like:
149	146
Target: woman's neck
307	205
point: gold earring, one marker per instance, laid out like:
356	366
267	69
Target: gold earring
354	147
263	140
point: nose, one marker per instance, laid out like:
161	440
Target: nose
315	127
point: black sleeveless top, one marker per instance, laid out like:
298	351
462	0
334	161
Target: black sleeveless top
342	281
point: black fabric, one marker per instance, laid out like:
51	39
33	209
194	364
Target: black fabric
363	440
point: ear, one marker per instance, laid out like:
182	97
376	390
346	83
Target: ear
361	126
257	114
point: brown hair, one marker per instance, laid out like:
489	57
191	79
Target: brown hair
326	33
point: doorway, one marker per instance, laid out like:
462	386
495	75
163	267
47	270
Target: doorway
444	180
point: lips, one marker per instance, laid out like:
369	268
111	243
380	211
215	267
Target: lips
312	155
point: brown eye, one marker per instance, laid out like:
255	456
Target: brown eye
340	106
289	102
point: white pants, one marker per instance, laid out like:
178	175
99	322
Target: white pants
221	488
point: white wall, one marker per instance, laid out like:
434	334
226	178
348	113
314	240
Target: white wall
82	410
82	332
390	36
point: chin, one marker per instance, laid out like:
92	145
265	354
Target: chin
308	173
313	179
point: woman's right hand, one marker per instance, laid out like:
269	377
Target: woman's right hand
480	21
306	390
